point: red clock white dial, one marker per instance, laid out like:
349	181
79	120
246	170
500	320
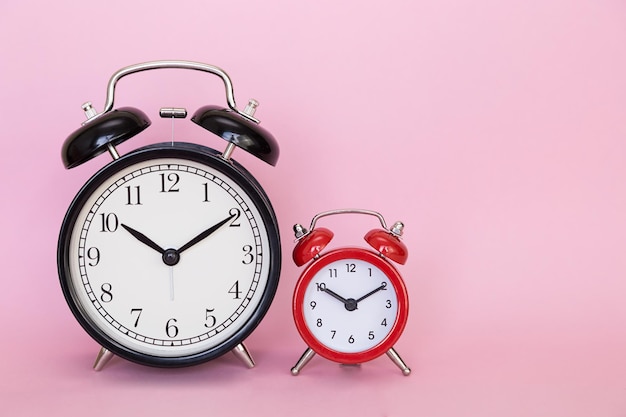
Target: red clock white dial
350	306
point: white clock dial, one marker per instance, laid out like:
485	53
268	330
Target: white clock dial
350	305
169	257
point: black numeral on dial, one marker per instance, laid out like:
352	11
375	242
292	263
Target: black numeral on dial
109	222
235	291
210	318
171	330
169	183
137	311
133	195
93	254
107	295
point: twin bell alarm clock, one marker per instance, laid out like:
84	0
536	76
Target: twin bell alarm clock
170	254
350	304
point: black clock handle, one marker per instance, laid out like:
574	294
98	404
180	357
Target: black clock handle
198	66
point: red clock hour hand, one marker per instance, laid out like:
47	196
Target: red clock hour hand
350	303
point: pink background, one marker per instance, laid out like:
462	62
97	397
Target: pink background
495	130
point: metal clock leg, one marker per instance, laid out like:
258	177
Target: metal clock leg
242	353
304	359
393	355
104	356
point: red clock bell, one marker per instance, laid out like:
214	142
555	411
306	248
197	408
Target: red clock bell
350	304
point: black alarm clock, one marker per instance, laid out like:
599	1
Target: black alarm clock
170	254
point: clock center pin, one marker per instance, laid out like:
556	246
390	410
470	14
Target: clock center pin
171	257
351	304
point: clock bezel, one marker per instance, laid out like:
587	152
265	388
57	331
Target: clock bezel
199	154
344	254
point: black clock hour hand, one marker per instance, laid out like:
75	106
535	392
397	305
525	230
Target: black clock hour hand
382	287
143	239
205	234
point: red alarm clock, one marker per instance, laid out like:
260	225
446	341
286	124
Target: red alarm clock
350	304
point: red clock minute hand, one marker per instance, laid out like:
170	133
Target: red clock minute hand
382	287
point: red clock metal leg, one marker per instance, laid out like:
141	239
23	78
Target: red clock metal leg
393	355
304	359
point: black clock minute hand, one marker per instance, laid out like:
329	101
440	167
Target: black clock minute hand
205	234
382	287
143	239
